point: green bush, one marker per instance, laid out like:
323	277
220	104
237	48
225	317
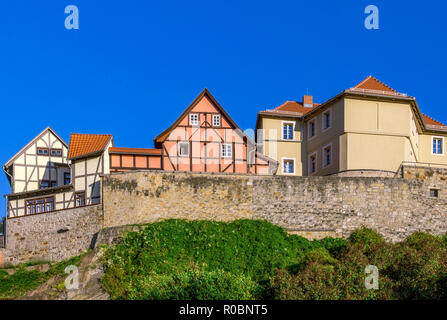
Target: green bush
243	247
365	238
246	259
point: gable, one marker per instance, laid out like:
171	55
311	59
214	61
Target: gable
204	102
46	139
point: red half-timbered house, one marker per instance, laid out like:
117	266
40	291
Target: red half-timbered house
204	138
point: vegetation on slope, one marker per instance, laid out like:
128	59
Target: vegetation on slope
24	279
246	259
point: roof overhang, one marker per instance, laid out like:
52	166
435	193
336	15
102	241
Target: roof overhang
40	192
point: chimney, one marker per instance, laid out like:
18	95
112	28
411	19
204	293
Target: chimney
308	101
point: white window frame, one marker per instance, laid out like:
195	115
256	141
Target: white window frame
223	148
324	156
442	146
308	163
179	148
323	123
190	119
294	165
217	116
282	130
308	128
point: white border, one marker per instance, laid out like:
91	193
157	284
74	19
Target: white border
221	150
198	120
431	147
308	163
323	157
294	166
220	120
282	130
178	149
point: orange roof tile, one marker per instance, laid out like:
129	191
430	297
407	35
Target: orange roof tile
374	86
432	122
83	144
134	150
291	108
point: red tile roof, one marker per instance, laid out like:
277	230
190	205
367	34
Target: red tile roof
290	108
134	151
432	122
373	86
83	144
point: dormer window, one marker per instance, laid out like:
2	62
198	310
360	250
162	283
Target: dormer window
194	119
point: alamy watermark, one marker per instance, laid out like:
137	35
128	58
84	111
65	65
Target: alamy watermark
72	20
372	280
372	20
72	281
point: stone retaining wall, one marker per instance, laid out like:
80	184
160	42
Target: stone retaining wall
51	236
310	206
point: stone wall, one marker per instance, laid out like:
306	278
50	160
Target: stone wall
311	206
148	196
2	241
51	236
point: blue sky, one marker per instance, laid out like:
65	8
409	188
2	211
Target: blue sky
134	66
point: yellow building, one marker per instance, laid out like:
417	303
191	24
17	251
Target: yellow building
369	129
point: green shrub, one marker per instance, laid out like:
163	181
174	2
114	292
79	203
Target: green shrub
335	246
365	238
246	259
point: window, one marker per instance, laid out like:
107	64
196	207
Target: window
56	152
327	155
67	179
80	199
288	166
183	148
47	184
39	205
227	150
312	163
216	120
287	131
438	145
327	119
311	129
434	193
42	151
194	119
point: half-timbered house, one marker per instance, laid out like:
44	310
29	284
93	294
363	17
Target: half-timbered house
48	175
203	138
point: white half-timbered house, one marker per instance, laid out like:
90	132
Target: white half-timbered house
48	175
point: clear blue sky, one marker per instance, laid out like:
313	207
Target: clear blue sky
134	66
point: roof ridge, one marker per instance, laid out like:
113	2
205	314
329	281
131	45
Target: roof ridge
377	80
92	134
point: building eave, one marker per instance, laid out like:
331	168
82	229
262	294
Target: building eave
39	192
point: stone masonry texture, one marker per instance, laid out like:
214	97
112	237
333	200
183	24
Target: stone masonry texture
309	206
52	236
313	207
